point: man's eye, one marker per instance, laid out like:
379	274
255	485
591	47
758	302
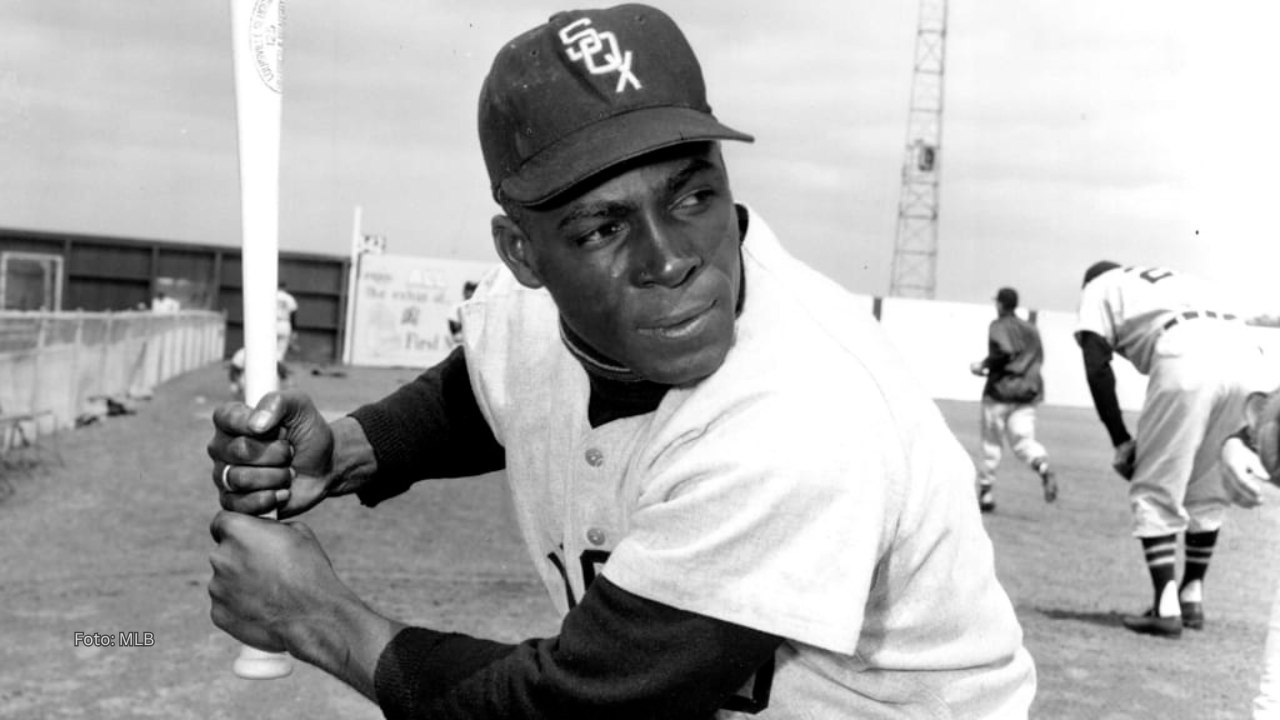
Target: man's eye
693	199
601	234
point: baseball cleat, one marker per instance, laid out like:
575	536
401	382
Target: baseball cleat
1193	615
986	499
1149	623
1050	485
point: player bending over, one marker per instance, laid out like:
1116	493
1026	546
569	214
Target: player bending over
1201	364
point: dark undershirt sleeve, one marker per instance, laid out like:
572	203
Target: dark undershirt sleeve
428	428
618	655
1102	384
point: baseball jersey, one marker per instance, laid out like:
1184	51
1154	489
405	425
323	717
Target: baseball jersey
1129	308
807	489
1013	361
286	306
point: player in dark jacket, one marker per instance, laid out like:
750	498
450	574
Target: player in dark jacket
1014	387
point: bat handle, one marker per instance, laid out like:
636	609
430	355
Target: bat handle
255	664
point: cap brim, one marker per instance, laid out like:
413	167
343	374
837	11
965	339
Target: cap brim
578	157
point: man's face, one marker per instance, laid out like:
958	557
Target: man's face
645	266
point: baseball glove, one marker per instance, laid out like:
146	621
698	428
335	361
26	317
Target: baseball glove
1124	459
1249	458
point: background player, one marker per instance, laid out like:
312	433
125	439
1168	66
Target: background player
286	311
235	374
455	316
1200	364
1014	386
736	497
163	303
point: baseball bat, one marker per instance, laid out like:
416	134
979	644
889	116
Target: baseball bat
257	36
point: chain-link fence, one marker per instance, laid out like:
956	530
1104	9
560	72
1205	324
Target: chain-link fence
53	364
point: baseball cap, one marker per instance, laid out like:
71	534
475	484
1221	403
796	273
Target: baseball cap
1007	297
1097	269
586	91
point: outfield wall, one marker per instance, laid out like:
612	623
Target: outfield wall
54	364
938	341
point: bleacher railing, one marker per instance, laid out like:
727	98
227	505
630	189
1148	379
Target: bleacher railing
54	364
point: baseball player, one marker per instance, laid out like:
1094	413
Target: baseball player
1250	459
235	374
286	310
1200	365
1014	386
455	319
735	497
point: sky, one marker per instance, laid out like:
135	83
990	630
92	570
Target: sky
1142	131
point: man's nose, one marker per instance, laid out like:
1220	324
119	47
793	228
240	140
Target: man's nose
665	257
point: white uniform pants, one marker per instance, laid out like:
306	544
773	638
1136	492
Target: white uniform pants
284	334
1195	400
1014	423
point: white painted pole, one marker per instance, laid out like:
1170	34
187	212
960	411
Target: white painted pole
353	271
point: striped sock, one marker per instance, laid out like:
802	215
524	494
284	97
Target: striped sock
1199	551
1162	557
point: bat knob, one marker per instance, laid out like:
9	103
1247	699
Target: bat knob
254	664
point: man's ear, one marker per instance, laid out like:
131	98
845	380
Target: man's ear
516	250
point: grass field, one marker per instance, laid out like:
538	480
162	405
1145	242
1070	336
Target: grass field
114	539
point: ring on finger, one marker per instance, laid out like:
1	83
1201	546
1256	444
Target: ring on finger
226	484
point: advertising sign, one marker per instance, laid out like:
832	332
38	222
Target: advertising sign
406	308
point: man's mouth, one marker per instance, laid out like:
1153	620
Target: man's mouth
681	324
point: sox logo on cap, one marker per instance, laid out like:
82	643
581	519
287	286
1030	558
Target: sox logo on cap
590	43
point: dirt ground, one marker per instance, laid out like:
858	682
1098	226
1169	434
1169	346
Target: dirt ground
113	539
1071	568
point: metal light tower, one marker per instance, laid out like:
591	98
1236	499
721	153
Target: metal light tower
915	247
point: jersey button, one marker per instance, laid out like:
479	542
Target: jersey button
595	536
595	458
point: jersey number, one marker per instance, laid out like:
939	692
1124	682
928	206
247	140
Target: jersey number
1155	275
750	699
591	560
